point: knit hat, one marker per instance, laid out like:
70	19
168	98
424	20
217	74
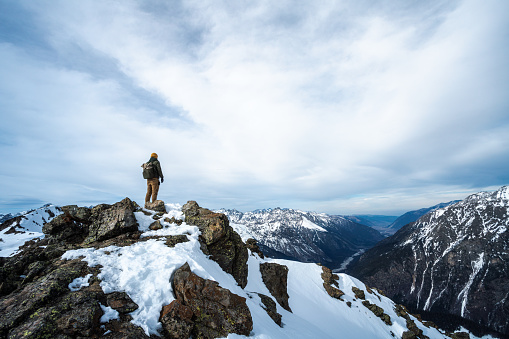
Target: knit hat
153	155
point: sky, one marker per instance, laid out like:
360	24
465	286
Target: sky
342	107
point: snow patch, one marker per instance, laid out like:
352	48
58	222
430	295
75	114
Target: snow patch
308	224
80	282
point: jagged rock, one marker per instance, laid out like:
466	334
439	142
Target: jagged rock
275	277
156	225
173	240
203	309
358	293
157	206
330	279
173	220
71	226
408	335
109	221
252	245
410	324
270	307
378	311
460	335
124	330
219	240
82	224
177	320
213	226
40	309
121	302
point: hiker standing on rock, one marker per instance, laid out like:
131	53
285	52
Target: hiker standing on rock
152	172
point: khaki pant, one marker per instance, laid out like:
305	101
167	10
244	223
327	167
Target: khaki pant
152	189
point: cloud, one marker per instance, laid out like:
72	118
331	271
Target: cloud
342	107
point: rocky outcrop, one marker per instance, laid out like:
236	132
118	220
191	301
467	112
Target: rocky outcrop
252	245
330	283
82	224
157	206
358	293
270	307
219	240
275	277
378	311
36	300
46	307
450	261
203	309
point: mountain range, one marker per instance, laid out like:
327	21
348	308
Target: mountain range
451	261
304	236
412	216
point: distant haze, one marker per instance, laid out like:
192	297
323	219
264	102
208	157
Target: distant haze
342	107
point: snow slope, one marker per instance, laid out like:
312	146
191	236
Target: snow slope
26	226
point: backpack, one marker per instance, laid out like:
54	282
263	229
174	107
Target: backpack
149	170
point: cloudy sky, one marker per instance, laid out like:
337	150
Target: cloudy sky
343	107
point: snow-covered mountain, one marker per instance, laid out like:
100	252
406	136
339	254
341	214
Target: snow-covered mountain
412	216
24	226
118	286
452	260
304	236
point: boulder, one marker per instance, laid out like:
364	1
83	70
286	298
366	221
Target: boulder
121	302
203	309
219	240
156	225
157	206
109	221
275	277
252	245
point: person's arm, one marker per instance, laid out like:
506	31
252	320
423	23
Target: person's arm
159	171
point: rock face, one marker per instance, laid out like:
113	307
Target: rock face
82	224
219	240
252	245
275	277
36	300
330	283
453	260
305	236
270	307
45	307
203	309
